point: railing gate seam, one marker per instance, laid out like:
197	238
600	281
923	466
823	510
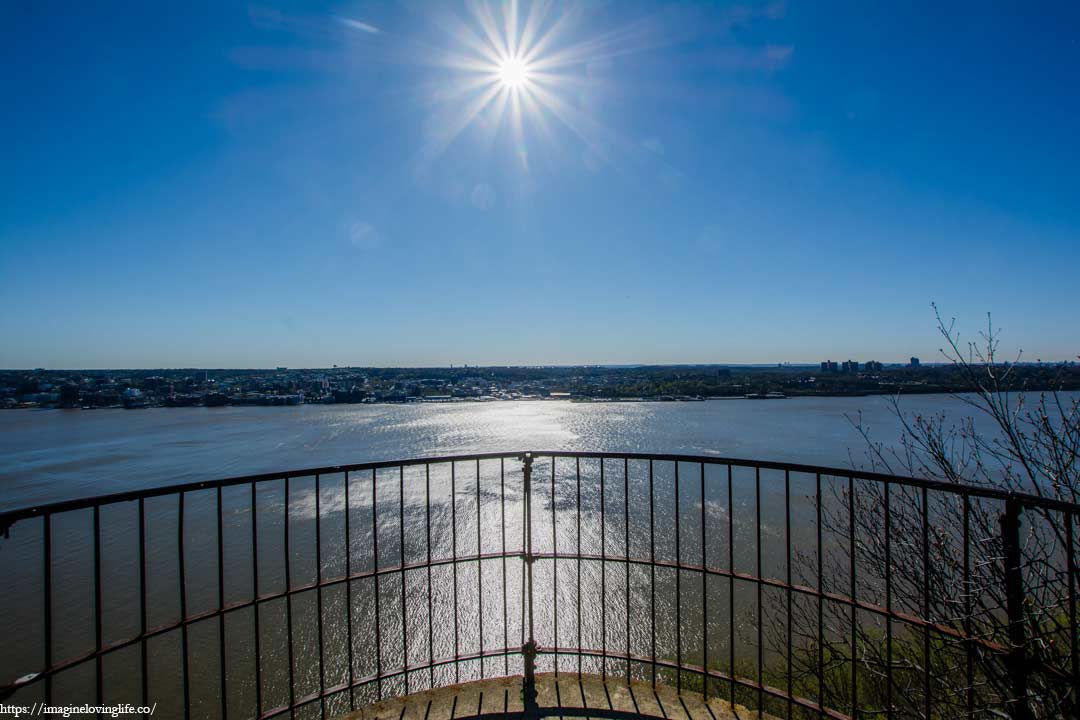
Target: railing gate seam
528	650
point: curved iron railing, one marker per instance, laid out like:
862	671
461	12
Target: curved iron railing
794	589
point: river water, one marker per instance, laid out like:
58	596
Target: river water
52	455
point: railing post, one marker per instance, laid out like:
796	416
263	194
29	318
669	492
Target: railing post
528	651
1015	661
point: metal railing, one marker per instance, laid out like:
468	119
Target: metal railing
797	590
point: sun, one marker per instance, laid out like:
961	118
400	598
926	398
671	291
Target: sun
513	72
521	70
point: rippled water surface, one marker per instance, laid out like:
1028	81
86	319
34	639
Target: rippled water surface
53	454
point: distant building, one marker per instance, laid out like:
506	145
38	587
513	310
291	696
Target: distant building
872	366
829	366
914	362
850	366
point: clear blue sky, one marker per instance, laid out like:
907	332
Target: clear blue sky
250	185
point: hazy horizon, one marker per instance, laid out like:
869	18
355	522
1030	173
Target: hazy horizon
526	366
517	183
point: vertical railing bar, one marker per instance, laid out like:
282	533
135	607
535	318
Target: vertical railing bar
46	553
704	596
1016	660
925	514
183	605
603	577
969	690
678	585
319	592
375	577
854	608
1074	650
255	597
626	548
143	659
787	539
652	569
404	604
430	587
529	647
348	593
820	602
288	600
731	581
554	571
99	671
577	467
888	600
502	539
526	480
758	573
453	567
221	604
479	570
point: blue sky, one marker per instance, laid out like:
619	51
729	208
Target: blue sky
251	185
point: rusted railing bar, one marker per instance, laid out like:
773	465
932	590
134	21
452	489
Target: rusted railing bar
820	597
788	591
854	608
431	588
577	467
969	670
99	669
404	595
502	540
731	581
479	569
888	601
678	585
255	596
704	593
626	548
319	589
375	565
288	599
144	660
652	569
223	688
603	572
554	570
348	591
759	620
183	607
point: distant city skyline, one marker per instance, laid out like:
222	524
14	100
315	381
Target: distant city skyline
415	185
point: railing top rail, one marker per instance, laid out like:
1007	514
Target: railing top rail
9	516
979	491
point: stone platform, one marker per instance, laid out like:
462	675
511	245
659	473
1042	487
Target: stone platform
567	695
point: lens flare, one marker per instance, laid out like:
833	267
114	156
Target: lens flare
524	71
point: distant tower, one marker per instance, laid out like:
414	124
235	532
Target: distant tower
914	362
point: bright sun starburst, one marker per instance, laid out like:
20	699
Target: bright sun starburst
513	72
522	70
